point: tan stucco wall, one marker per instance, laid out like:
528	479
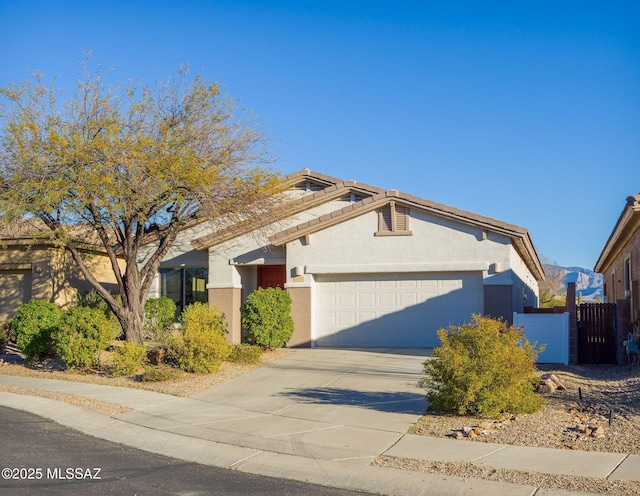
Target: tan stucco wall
614	275
228	300
301	313
51	273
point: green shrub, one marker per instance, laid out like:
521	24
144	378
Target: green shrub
245	353
159	373
483	368
80	335
200	316
4	337
33	324
199	351
128	359
92	299
159	314
266	315
202	345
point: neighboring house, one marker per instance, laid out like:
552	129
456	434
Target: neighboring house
34	267
364	267
619	262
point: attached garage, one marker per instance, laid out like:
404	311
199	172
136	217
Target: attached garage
371	268
393	310
15	289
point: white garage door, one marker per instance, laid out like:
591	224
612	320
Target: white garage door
393	310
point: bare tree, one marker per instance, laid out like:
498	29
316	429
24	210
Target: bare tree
552	290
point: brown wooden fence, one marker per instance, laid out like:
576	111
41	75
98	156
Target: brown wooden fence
597	333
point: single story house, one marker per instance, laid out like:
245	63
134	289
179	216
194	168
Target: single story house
619	262
364	266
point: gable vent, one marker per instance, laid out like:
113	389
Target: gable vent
393	219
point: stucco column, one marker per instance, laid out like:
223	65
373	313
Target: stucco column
301	309
229	301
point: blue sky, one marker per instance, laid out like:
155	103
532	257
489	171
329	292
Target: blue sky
528	112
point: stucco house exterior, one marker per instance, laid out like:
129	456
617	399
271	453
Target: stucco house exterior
32	266
619	262
365	267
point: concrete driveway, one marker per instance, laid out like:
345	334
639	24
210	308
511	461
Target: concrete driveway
318	403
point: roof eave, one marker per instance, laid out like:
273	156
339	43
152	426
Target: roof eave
627	224
336	190
519	236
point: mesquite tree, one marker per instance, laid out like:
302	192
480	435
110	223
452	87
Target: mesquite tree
129	166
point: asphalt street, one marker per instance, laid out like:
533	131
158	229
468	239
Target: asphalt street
38	456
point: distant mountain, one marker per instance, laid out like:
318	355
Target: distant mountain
588	282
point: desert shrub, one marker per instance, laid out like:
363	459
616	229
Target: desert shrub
128	359
201	347
80	335
159	373
266	315
483	368
199	350
4	335
33	324
159	314
92	299
245	353
200	316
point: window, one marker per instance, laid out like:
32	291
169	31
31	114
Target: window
613	287
184	286
393	220
627	278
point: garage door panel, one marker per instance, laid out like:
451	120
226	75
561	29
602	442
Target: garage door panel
367	300
387	284
347	300
327	299
408	284
363	285
347	319
327	319
367	316
380	310
408	299
387	300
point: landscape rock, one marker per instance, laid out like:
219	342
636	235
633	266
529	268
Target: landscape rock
484	428
549	383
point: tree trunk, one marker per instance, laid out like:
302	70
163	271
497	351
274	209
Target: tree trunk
132	307
131	323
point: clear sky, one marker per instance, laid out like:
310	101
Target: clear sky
525	111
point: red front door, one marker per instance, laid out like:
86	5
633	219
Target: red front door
272	276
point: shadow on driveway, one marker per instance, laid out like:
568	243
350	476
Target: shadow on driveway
406	403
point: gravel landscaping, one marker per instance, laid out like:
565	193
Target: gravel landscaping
606	391
598	411
186	385
610	401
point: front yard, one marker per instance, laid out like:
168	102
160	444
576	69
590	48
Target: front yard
606	390
187	384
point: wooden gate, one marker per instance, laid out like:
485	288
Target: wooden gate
597	333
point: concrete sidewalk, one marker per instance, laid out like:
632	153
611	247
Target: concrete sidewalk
318	416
